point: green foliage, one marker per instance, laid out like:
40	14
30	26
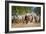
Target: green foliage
37	10
20	10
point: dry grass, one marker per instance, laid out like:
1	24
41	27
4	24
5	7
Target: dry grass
19	25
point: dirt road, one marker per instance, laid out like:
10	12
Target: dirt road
20	25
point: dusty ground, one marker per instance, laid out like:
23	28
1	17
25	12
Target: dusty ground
14	25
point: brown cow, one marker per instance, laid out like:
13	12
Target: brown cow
28	18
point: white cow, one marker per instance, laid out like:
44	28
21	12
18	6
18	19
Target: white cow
19	17
13	19
37	18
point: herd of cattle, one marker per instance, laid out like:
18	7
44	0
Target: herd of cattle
25	19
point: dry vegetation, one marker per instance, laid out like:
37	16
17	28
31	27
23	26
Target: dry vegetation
19	25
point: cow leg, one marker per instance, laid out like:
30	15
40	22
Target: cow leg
35	20
26	21
13	21
23	22
31	20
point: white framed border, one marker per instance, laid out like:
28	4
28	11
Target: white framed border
26	28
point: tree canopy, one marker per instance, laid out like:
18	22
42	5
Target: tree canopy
20	10
37	10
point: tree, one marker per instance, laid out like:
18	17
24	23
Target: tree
37	10
20	10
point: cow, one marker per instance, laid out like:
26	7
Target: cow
20	19
13	19
28	18
37	19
